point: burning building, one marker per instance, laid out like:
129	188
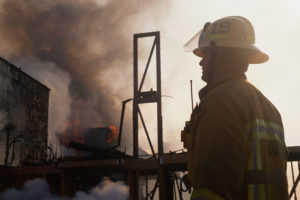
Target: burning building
23	117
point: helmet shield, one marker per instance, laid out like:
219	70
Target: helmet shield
198	40
193	43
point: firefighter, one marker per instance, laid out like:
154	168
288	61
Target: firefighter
235	137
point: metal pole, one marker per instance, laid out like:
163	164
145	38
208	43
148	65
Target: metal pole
146	177
135	99
122	120
133	179
158	83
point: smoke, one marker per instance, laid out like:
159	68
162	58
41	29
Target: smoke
86	44
105	190
35	189
39	189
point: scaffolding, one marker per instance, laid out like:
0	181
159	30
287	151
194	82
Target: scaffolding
63	176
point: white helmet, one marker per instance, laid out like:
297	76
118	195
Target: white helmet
234	32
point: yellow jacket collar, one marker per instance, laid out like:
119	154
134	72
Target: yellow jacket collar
205	90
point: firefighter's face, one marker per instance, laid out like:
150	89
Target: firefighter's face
204	64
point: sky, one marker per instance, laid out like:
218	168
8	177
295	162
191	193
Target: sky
276	24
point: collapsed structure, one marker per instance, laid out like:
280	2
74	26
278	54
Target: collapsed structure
24	117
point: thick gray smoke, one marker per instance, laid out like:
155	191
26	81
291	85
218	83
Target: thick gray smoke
81	37
89	40
39	189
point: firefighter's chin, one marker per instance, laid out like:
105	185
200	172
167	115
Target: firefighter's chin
204	76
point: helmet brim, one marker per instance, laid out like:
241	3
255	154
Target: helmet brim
256	56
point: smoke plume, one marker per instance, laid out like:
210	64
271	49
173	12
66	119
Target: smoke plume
39	189
87	41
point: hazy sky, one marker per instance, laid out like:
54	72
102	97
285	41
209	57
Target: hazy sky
277	25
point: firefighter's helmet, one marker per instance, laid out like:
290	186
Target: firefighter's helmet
234	32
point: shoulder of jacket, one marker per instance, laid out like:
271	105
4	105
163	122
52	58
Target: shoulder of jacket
228	89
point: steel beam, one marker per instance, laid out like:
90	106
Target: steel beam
158	84
133	184
29	170
135	99
89	163
149	34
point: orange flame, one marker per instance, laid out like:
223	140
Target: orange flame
112	135
72	132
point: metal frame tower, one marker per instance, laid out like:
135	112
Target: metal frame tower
147	96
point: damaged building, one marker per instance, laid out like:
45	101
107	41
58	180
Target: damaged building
23	117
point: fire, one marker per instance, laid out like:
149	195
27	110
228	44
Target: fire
100	137
72	132
112	135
